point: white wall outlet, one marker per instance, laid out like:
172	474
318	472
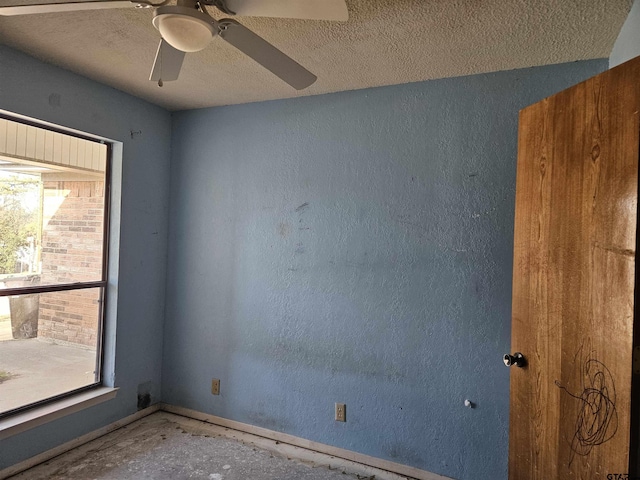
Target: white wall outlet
341	412
215	386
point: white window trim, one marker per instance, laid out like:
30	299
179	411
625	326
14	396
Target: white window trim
34	417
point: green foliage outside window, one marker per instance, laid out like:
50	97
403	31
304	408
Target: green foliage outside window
19	210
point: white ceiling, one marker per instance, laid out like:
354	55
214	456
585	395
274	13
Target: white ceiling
384	42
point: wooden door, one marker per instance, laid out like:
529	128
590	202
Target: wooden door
574	279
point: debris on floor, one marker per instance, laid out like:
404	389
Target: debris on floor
167	446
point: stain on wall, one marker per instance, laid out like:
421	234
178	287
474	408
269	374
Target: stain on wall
144	394
390	290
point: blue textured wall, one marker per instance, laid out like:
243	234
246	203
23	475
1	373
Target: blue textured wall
354	247
140	191
627	44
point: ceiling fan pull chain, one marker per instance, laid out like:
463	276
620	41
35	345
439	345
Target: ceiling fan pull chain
160	83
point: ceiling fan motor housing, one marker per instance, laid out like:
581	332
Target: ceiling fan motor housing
186	29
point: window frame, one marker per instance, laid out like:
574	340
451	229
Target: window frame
61	287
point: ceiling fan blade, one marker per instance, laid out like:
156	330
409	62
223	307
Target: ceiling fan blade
167	65
67	7
305	9
266	54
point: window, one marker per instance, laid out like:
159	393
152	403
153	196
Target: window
54	191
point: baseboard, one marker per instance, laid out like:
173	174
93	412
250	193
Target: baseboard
76	442
398	468
387	465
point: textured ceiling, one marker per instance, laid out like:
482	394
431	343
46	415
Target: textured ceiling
384	42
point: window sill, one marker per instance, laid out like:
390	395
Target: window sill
47	413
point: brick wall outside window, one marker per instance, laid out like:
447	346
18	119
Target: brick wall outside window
72	240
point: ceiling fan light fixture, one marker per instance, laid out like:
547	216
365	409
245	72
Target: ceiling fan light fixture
185	29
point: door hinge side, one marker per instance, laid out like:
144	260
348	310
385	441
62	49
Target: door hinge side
636	360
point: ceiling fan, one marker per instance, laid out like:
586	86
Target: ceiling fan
187	27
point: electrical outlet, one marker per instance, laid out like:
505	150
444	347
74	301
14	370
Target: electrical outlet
215	386
341	412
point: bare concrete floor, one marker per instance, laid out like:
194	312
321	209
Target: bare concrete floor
166	446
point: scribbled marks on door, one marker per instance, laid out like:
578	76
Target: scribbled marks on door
597	419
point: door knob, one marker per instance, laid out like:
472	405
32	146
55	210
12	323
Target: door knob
516	359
